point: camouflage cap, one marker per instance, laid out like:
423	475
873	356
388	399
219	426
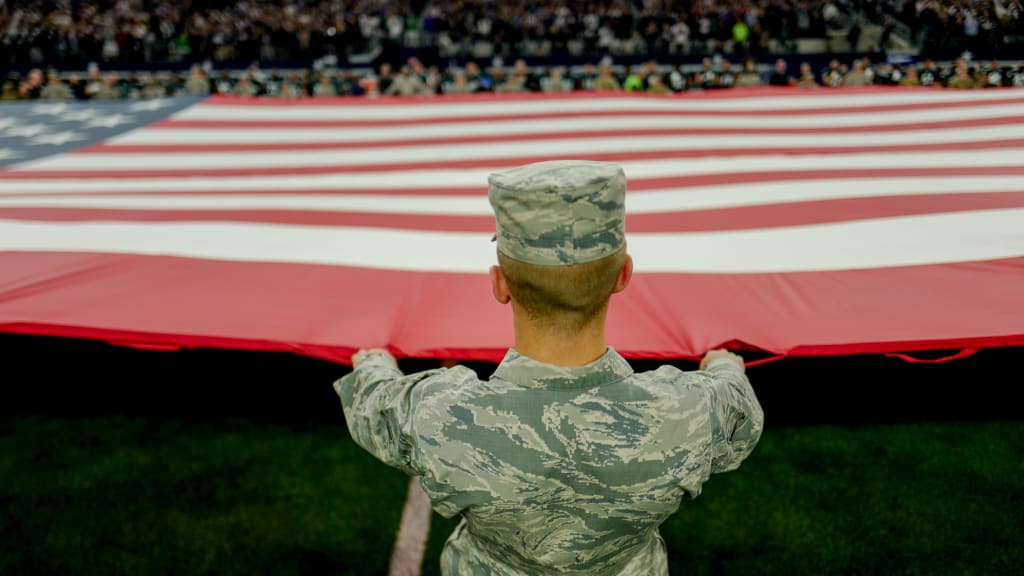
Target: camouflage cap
559	212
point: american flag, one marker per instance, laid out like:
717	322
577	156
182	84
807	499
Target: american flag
792	223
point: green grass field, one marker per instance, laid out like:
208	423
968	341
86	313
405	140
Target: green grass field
113	494
119	461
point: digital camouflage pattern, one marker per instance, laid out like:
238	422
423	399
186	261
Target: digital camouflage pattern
555	470
559	212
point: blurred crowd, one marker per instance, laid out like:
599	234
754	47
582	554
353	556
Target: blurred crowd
69	33
415	79
955	25
80	31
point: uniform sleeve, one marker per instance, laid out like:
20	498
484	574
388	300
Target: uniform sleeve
736	416
378	403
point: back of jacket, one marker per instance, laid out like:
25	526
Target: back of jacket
565	470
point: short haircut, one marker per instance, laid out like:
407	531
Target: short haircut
564	298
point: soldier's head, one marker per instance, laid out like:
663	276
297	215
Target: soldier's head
561	241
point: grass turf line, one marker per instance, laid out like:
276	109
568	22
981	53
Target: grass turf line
127	495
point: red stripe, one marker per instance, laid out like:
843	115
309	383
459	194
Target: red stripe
635	185
183	302
499	138
752	94
469	191
270	122
742	218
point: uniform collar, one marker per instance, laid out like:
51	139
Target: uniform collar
530	373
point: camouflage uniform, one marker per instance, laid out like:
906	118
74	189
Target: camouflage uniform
555	469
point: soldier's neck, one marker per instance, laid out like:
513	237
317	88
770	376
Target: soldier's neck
554	347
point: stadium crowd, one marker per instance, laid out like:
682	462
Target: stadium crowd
415	79
160	30
66	45
955	25
72	33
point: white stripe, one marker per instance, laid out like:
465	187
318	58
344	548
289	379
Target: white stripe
439	108
642	202
248	134
440	179
569	148
885	242
407	556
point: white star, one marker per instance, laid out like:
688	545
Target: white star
8	153
80	115
26	131
57	138
150	105
109	121
52	109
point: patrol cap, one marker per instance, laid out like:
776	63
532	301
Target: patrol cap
559	212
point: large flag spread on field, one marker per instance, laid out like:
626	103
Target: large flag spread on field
793	223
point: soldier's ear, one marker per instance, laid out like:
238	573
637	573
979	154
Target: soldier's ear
625	275
498	286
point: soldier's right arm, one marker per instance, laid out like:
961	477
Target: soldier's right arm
736	415
377	400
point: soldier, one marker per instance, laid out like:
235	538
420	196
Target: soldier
55	88
566	460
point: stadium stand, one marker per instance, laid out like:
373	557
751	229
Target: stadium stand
292	49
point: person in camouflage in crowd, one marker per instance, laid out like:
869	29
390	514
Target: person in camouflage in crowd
565	461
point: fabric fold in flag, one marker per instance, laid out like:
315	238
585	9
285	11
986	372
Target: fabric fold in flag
795	223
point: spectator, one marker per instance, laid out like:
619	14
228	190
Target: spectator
740	37
478	79
554	82
832	76
806	78
928	74
292	87
707	78
962	79
458	85
749	76
678	80
910	78
151	88
31	88
385	78
856	76
531	82
111	88
198	83
779	77
244	87
586	79
634	82
513	83
405	84
10	90
657	86
994	76
606	80
93	82
55	89
726	77
432	81
323	87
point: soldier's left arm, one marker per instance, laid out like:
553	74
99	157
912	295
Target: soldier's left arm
378	403
736	415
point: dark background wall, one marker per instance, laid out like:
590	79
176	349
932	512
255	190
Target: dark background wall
68	377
